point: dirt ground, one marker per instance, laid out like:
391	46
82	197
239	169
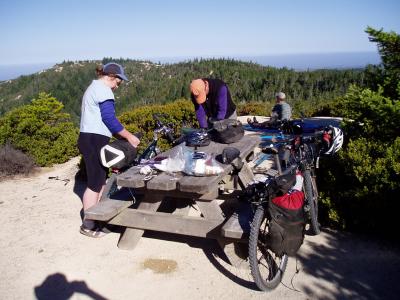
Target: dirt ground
43	256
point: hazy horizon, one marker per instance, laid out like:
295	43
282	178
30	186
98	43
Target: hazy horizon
298	62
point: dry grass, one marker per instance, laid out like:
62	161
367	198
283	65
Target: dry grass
14	162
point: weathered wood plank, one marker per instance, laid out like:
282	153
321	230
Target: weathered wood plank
164	182
182	211
131	178
166	222
130	237
106	209
211	210
238	225
245	176
200	185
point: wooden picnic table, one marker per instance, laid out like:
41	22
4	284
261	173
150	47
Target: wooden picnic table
209	194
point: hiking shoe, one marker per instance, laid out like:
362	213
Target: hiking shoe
93	233
107	228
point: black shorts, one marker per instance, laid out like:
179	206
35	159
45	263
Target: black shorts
89	144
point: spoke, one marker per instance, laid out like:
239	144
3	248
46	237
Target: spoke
262	264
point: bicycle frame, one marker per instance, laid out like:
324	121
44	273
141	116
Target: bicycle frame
148	153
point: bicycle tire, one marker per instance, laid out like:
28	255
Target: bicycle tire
266	268
311	195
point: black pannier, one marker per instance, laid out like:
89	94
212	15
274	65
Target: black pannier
227	131
119	154
286	228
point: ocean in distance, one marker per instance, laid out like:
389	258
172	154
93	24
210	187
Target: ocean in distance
8	72
299	62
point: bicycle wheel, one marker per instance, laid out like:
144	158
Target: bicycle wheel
266	268
311	195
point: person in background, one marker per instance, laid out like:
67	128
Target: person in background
212	101
280	112
98	123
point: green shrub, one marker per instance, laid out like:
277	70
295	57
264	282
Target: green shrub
254	108
362	183
42	130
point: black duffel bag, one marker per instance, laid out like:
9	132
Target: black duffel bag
227	131
118	155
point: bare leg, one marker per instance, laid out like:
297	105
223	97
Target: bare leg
100	193
90	198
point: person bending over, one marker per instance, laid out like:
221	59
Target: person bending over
212	101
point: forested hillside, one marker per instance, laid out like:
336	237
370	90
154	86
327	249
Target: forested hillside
157	83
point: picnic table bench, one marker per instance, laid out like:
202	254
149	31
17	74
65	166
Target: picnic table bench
214	196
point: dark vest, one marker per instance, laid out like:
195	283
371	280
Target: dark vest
210	106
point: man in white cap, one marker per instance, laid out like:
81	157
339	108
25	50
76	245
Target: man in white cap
281	110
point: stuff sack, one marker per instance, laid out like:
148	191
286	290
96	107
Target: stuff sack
287	223
285	182
227	131
198	138
228	155
119	154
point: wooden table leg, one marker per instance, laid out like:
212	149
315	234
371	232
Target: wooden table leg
234	251
131	236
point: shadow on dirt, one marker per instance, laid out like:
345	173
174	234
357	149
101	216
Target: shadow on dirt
357	267
360	268
57	287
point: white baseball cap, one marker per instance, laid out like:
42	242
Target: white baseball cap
280	95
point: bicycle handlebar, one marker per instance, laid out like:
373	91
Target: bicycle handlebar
162	128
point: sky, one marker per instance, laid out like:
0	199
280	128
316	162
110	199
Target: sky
46	31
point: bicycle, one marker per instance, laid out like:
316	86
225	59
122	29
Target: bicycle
307	157
267	268
305	150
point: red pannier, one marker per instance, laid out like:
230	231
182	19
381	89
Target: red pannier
287	223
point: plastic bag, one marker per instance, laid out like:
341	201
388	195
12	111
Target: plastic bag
201	164
175	161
